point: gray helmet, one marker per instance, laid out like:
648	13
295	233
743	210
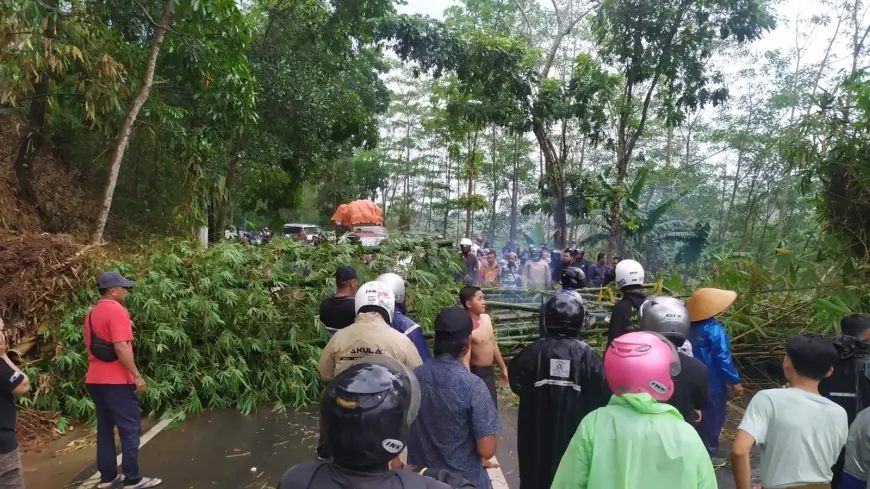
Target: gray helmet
394	282
666	316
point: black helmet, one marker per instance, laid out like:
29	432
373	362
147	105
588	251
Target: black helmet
367	412
666	316
565	314
573	278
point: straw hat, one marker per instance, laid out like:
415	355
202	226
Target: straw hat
706	303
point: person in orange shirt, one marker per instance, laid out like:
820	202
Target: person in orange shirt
114	383
490	272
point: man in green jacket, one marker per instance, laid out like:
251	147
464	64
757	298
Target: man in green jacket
636	441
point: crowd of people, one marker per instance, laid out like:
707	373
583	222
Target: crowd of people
648	413
530	267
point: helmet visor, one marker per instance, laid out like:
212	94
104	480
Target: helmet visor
675	367
405	377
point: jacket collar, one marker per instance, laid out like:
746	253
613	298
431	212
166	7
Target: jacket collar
643	403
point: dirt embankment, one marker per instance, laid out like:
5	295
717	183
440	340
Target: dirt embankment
65	202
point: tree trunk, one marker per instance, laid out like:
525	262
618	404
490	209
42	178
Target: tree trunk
32	139
447	199
550	159
616	206
30	143
468	208
514	191
228	185
669	151
127	126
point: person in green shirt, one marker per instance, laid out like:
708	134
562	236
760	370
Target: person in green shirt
636	441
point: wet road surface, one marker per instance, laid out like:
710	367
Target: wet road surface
227	450
224	449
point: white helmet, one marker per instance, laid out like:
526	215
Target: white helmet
628	272
377	296
396	283
465	242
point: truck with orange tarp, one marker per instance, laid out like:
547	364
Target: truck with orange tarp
362	220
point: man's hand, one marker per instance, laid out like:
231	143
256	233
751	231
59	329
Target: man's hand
139	382
737	389
504	376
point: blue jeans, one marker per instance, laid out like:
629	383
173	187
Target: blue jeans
117	405
712	421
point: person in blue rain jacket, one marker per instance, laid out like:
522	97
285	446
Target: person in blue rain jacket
712	346
402	323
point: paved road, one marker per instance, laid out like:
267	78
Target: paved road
224	449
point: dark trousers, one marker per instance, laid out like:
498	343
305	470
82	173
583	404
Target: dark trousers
117	405
488	376
11	476
712	421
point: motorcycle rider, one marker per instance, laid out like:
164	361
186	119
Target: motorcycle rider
370	334
670	318
849	384
559	380
624	318
367	411
573	279
402	323
636	441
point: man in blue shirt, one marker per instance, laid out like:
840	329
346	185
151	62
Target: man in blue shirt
598	270
457	424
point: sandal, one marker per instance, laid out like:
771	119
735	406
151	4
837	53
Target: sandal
145	483
108	485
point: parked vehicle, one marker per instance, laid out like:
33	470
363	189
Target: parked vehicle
302	232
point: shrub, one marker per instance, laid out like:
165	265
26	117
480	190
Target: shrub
231	326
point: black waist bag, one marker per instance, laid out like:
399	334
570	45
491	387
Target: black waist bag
100	348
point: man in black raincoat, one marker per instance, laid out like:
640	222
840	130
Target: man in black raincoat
849	384
559	379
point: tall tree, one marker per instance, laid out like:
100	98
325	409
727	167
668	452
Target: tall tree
664	47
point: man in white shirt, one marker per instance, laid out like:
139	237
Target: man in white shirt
800	433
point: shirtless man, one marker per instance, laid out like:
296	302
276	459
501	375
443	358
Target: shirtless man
483	346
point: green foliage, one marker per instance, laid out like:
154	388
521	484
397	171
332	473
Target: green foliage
832	146
232	326
669	42
793	292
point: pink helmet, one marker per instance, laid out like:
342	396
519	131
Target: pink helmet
639	362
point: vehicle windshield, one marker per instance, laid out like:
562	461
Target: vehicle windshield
372	229
312	230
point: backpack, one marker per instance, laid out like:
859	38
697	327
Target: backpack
309	476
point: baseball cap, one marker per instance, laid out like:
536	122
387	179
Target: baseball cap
114	279
345	273
453	323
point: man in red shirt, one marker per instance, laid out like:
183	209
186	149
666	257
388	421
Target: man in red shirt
114	383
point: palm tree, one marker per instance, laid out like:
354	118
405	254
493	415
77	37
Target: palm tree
647	235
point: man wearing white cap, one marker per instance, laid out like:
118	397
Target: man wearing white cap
471	263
